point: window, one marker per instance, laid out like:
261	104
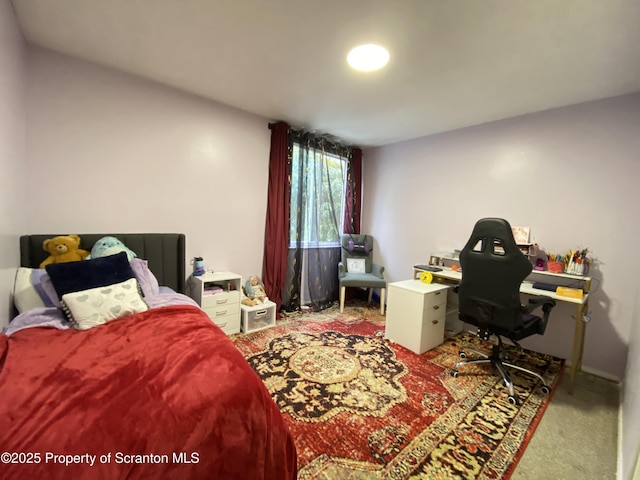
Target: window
318	182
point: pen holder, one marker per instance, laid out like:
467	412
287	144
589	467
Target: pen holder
555	267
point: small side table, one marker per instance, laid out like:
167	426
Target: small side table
258	317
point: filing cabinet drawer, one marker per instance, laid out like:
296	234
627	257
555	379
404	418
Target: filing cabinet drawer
432	333
433	312
436	300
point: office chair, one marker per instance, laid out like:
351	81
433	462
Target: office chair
356	268
493	267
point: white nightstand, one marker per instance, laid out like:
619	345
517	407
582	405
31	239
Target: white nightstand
218	294
416	314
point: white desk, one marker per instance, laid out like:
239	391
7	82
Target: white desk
453	277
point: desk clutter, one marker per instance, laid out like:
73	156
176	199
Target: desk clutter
574	262
561	275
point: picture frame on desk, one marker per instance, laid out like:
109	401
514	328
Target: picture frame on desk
521	234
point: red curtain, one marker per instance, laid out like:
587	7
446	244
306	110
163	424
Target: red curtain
276	243
353	200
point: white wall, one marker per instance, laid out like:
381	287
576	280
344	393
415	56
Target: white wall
571	174
630	412
109	152
13	71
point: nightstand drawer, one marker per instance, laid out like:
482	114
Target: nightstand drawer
222	310
220	299
225	317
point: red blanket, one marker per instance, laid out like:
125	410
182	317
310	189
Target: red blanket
159	395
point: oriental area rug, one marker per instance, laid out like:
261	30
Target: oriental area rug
361	407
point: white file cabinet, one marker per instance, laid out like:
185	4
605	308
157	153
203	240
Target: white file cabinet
218	294
416	314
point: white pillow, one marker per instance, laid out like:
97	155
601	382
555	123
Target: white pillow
28	292
96	306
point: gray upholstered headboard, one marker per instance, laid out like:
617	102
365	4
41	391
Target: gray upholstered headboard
165	252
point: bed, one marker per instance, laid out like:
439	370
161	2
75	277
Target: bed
160	392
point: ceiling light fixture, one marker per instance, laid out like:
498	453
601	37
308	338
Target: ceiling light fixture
368	58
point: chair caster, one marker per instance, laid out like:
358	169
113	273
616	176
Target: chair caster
462	354
454	373
545	389
513	400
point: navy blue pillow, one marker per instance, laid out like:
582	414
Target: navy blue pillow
84	274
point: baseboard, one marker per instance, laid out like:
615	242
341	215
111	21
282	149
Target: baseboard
597	373
619	462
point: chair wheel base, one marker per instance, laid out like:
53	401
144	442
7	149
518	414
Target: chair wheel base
513	400
454	373
545	389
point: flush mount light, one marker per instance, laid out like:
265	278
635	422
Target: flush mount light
368	58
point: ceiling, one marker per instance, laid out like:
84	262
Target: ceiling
454	63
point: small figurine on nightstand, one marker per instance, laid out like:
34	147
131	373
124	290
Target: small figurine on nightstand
255	292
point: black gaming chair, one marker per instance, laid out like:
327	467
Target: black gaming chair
493	267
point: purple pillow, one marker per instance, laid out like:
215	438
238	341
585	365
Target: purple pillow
47	287
147	280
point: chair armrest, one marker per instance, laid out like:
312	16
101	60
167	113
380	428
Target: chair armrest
341	270
377	270
547	303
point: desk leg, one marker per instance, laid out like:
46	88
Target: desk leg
578	346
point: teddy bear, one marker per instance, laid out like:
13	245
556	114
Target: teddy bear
62	249
110	246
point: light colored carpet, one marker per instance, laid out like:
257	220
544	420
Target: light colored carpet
578	434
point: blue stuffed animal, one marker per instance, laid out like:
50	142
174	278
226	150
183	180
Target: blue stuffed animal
110	246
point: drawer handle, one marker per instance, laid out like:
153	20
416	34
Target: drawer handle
222	325
435	322
438	293
436	307
221	313
221	301
261	313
